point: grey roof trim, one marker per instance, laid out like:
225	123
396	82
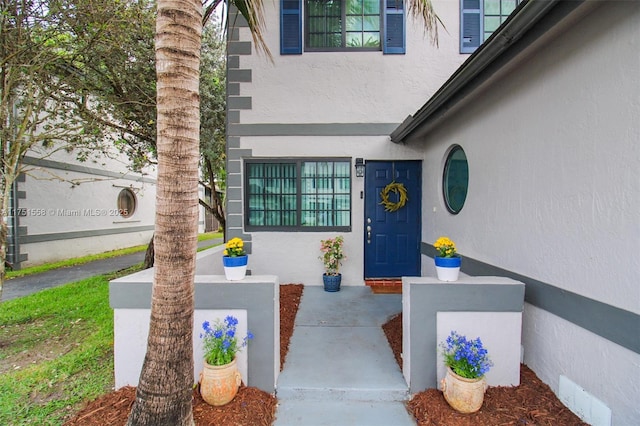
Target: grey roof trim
484	62
58	236
311	129
78	168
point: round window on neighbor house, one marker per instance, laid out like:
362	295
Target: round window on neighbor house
126	202
455	180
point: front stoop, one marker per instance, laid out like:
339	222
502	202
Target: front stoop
342	413
384	286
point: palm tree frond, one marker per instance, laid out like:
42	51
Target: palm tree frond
423	9
253	12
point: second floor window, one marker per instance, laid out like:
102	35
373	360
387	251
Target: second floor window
340	24
480	18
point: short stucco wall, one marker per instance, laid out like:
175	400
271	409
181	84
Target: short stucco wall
255	301
486	307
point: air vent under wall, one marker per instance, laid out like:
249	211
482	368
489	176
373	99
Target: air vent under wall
586	406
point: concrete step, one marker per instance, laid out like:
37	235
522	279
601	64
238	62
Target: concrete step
345	393
342	413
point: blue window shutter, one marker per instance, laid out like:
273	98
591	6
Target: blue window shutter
290	27
394	28
470	25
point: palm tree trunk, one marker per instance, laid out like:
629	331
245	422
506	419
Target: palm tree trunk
165	389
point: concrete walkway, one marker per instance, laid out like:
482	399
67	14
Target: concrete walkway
23	286
340	369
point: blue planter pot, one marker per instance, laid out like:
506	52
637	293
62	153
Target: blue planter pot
448	262
235	261
331	282
235	268
448	268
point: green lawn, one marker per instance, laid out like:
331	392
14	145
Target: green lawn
56	347
56	351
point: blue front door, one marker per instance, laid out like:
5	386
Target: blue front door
392	238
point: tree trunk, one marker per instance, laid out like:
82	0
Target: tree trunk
218	205
165	389
148	256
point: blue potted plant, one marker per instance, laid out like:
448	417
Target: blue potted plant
332	255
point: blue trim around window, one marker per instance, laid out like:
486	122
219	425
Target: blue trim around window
470	25
394	27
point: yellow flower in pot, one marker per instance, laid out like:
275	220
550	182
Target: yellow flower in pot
235	259
448	262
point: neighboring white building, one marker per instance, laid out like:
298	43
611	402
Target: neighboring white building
527	155
64	208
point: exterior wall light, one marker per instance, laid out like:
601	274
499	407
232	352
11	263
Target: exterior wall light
359	167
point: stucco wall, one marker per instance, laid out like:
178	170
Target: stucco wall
293	256
69	209
554	190
357	89
349	87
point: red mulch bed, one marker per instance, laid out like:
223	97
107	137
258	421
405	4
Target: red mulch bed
250	407
531	403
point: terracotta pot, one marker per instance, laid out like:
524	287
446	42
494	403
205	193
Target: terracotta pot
463	395
219	383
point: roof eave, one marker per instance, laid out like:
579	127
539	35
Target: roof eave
452	91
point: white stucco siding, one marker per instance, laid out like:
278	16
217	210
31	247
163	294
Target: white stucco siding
54	251
335	87
70	209
554	192
609	372
376	147
90	205
269	255
349	87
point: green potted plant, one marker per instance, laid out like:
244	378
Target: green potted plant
220	378
235	259
332	255
467	362
447	261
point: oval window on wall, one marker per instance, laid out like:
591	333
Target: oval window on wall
455	180
126	202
